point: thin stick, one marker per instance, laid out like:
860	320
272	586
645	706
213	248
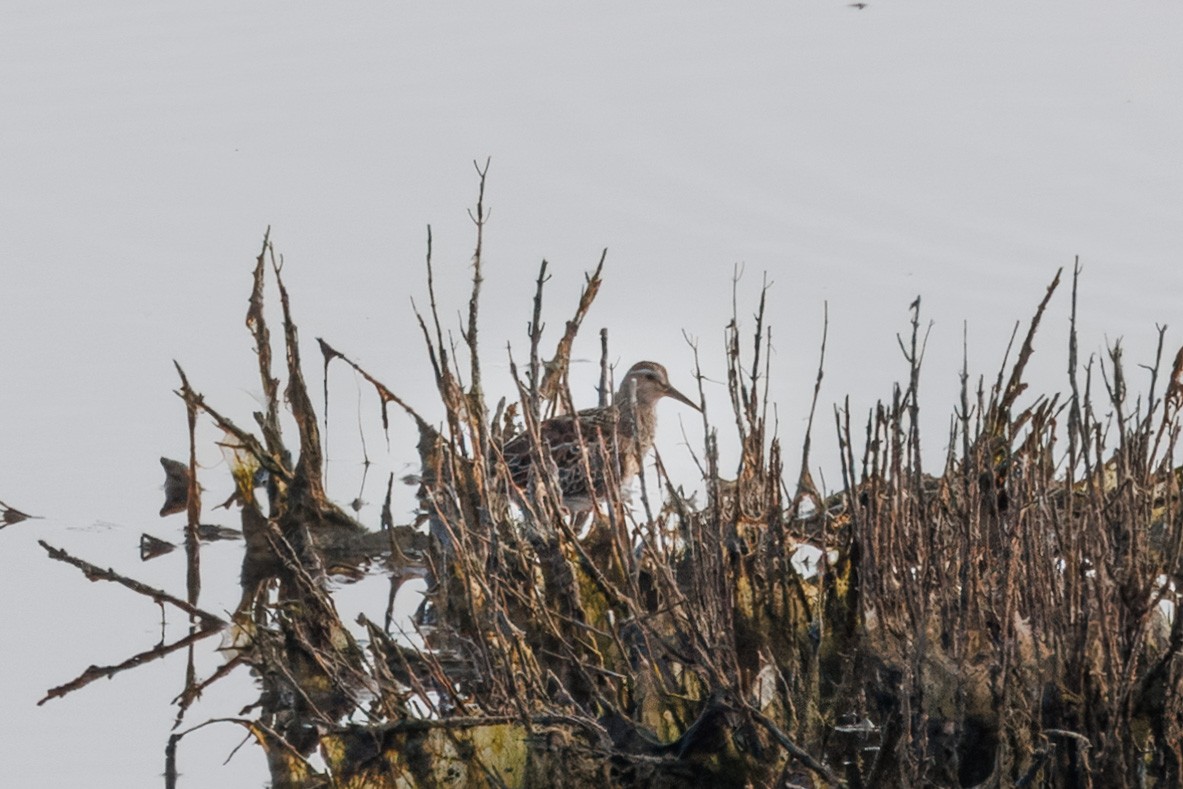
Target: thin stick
94	573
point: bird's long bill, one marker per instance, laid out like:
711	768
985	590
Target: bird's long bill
674	393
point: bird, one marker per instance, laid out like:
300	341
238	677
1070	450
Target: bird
625	429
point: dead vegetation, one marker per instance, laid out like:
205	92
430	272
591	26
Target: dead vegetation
10	515
993	617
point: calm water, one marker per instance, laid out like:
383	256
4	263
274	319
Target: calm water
859	157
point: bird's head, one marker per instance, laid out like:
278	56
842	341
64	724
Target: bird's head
648	382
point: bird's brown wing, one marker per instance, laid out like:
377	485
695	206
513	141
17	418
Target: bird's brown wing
561	443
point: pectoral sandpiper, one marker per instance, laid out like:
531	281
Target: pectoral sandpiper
621	433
